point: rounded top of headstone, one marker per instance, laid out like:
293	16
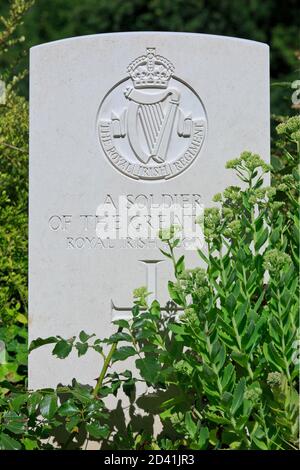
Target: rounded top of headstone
212	37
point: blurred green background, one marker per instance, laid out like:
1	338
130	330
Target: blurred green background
273	22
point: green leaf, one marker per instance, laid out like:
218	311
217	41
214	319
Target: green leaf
177	328
62	349
123	353
37	343
203	437
191	427
129	387
135	310
8	371
72	423
219	358
83	393
273	357
227	328
149	368
218	288
8	443
14	422
155	309
275	235
68	408
180	265
30	444
176	242
81	348
174	294
275	330
228	376
216	418
238	395
241	358
97	430
230	302
84	337
203	256
33	401
18	401
260	444
48	406
22	318
255	336
226	399
121	323
209	373
165	253
120	336
235	445
263	236
149	348
97	346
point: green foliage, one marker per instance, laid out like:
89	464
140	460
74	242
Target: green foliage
11	22
13	181
13	208
225	369
13	366
13	216
35	416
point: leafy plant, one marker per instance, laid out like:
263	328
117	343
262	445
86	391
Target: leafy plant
13	209
226	368
13	179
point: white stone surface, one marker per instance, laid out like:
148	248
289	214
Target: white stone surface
208	101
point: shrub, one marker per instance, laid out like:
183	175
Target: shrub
13	208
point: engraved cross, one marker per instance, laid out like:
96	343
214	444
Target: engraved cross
124	313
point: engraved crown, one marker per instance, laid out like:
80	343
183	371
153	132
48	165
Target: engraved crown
150	70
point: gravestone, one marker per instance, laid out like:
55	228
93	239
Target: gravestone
120	122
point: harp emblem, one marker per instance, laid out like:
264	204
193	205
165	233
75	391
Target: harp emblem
142	137
151	118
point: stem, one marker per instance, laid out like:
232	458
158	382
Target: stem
237	336
250	371
135	344
69	440
105	366
252	215
223	273
173	258
13	147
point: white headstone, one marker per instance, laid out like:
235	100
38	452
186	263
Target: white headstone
146	118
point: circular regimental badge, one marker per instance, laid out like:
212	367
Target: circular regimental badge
152	124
